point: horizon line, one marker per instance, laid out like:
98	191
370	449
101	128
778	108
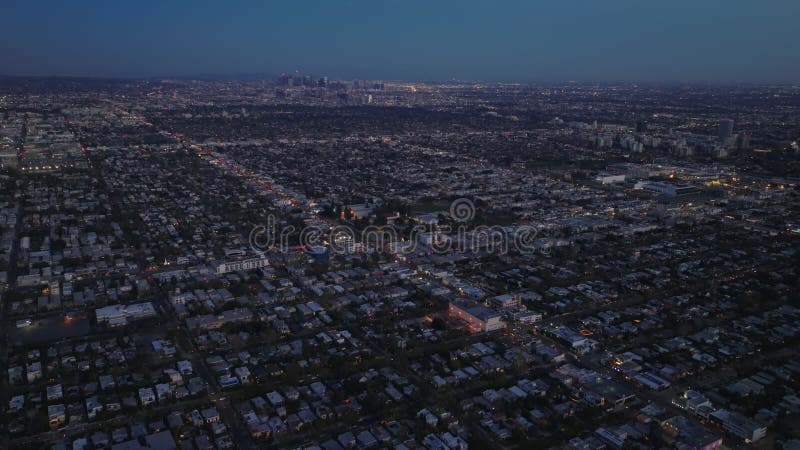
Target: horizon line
268	76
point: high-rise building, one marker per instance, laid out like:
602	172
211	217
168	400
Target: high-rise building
641	126
725	129
743	140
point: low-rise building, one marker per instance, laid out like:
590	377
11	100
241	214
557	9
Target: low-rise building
477	318
116	315
739	425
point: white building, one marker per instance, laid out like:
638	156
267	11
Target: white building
607	178
116	315
739	425
242	264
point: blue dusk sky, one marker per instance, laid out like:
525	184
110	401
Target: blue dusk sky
714	41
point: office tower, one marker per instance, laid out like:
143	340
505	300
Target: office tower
725	129
744	140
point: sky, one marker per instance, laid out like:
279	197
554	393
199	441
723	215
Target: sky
708	41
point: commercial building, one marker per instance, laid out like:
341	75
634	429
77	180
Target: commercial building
242	264
672	190
158	441
116	315
210	322
679	432
608	178
523	315
692	401
506	301
476	317
578	342
725	129
607	393
739	425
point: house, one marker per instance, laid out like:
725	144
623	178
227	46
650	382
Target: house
75	412
454	442
157	441
34	371
185	367
318	388
54	392
196	418
164	348
163	391
210	415
80	443
275	398
259	429
331	444
56	415
429	417
223	442
17	403
196	386
107	382
181	393
227	381
347	439
366	439
174	376
119	435
432	441
243	374
99	439
147	396
113	403
277	425
202	442
15	374
93	407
